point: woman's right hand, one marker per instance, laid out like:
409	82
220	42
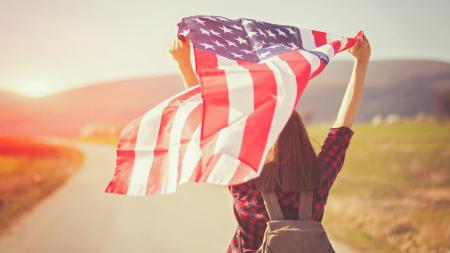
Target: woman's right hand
361	50
180	51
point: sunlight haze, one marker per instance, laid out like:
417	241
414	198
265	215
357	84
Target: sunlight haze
49	46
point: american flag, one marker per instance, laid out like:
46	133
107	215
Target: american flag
252	74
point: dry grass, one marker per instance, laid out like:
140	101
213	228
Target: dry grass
393	193
29	171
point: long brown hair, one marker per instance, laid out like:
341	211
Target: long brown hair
291	162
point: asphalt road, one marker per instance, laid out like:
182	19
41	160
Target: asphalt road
80	218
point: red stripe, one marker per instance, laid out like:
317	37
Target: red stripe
349	44
319	69
215	109
301	69
257	127
214	93
336	46
125	158
320	38
159	164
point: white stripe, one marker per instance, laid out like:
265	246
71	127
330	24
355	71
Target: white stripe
145	145
240	89
326	49
144	150
286	94
331	37
224	169
179	121
313	60
307	39
343	43
192	156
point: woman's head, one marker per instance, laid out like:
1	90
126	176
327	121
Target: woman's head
291	162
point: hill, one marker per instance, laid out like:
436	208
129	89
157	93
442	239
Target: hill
405	87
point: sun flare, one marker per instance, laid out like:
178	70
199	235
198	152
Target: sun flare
34	89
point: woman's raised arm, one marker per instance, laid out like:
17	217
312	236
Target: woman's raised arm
180	51
352	97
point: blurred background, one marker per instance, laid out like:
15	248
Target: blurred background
73	73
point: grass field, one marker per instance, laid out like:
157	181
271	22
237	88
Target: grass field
393	193
29	171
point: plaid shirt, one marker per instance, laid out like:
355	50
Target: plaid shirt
248	205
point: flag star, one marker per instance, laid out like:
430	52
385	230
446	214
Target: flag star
291	31
246	51
257	46
225	30
236	27
264	54
206	45
237	55
251	33
270	33
246	21
218	43
281	32
241	40
203	31
262	33
214	32
185	32
231	43
293	45
199	21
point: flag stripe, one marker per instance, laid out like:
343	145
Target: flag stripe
190	145
159	165
307	39
125	158
179	121
221	130
215	110
257	129
241	104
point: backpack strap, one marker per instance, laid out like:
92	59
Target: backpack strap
305	209
272	206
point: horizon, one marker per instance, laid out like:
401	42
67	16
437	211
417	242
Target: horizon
150	76
52	46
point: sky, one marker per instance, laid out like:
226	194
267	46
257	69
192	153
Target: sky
49	46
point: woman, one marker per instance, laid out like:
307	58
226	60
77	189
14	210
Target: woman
292	164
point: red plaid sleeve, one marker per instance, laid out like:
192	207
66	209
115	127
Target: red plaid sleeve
332	154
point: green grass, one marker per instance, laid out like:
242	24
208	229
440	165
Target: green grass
393	193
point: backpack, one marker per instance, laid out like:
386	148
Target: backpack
291	236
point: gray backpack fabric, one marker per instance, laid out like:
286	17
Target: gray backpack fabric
293	236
